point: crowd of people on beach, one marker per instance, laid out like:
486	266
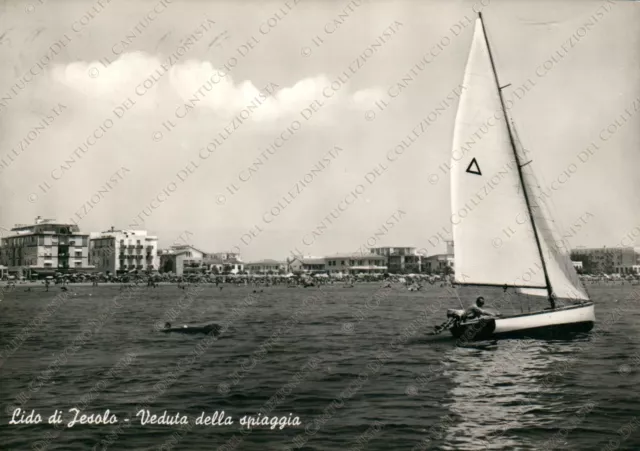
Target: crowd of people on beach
412	282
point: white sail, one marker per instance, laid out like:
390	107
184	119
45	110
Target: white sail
486	191
563	277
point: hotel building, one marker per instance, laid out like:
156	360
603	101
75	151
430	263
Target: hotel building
44	248
608	260
400	259
122	251
356	263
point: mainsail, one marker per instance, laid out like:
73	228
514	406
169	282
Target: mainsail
486	191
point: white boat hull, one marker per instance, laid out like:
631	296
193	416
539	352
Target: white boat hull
547	323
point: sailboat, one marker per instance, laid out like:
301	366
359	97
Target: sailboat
491	184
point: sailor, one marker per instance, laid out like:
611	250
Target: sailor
167	325
476	311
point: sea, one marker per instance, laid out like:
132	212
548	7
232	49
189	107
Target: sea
318	368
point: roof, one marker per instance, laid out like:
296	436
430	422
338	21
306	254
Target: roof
266	262
310	260
357	255
180	247
439	256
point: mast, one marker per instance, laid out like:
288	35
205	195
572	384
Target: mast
515	154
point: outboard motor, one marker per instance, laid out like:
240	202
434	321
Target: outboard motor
455	313
454	316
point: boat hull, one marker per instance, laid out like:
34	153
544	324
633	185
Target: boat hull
559	323
191	330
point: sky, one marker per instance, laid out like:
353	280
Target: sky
277	114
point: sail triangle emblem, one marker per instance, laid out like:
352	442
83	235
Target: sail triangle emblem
473	167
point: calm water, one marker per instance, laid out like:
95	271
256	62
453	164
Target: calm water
354	365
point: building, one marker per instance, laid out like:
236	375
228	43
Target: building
233	257
401	259
440	263
216	265
266	267
577	266
356	263
307	265
44	248
181	259
185	259
607	260
123	251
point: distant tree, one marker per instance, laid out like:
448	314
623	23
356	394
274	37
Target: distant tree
589	266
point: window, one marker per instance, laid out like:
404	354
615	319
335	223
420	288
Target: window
48	264
78	263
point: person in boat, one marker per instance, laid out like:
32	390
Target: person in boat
167	325
476	311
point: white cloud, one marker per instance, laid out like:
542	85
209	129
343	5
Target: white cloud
366	98
200	82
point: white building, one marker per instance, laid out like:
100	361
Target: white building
307	265
266	267
356	263
122	251
44	248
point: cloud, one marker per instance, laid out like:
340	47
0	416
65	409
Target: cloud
97	82
201	85
366	98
